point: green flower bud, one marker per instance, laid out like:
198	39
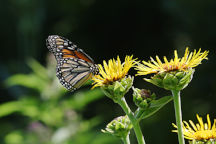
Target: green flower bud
173	80
142	97
210	141
118	89
119	127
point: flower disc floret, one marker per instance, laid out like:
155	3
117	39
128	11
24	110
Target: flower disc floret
190	60
113	71
200	131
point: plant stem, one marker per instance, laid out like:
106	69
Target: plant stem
122	102
126	139
178	115
138	114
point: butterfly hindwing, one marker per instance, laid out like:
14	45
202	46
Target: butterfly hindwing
73	73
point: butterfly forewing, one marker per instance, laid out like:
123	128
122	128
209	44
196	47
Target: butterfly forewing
74	66
63	48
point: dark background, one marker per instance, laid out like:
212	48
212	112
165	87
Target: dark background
105	29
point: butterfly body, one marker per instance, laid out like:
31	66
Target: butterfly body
74	66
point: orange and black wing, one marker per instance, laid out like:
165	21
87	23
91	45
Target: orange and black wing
73	73
74	66
63	48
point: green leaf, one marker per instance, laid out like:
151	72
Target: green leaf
38	79
37	68
14	137
9	108
28	107
80	99
155	106
29	81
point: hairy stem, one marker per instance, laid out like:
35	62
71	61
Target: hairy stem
122	102
178	115
126	139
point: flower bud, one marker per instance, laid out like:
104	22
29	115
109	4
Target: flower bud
142	97
119	127
118	89
173	80
210	141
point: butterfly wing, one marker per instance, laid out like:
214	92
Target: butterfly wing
74	66
63	48
73	73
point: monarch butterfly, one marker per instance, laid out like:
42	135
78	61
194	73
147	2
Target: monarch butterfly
74	66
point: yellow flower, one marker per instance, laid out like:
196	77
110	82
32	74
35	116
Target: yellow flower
199	131
113	71
190	60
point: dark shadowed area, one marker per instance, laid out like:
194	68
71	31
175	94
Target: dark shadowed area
36	109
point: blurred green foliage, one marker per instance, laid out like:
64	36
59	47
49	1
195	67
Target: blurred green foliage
50	111
104	29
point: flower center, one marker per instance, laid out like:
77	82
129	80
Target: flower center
174	67
204	134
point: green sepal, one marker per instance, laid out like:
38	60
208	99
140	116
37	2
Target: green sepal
170	81
119	127
210	141
186	79
118	89
173	80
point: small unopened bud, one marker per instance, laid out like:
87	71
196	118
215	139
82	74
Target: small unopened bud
145	93
119	127
142	97
210	141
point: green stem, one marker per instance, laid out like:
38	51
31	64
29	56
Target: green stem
126	139
178	115
122	102
138	114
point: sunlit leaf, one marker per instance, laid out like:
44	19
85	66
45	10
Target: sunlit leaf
27	107
155	106
15	137
37	68
29	81
9	108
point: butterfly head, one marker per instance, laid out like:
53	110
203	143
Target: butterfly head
50	43
94	69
